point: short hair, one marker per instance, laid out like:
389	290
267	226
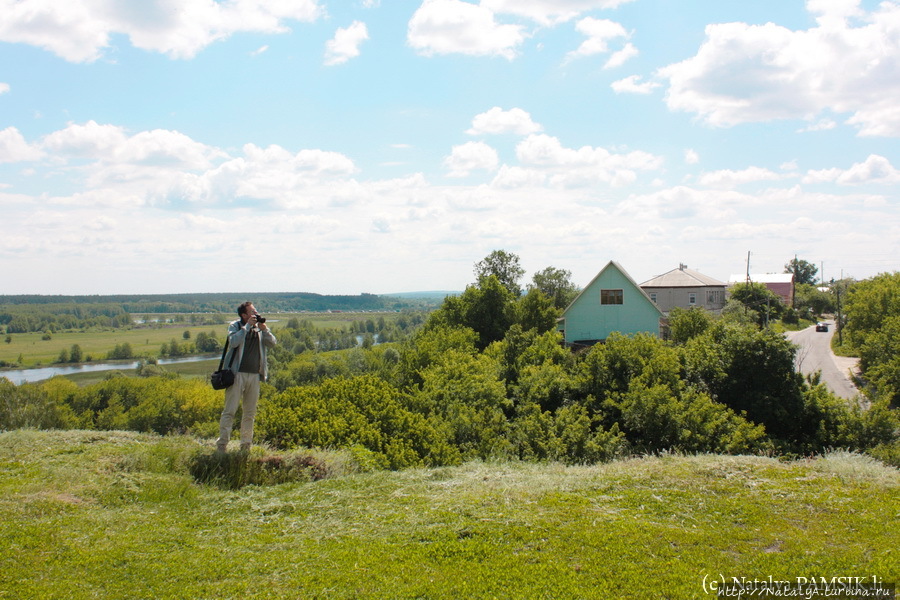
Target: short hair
243	308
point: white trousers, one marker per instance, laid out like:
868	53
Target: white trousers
244	391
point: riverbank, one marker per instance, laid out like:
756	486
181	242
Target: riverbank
86	373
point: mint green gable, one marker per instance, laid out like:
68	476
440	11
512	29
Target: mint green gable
627	309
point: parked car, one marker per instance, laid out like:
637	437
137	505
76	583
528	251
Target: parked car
821	326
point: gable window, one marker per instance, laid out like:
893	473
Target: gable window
611	297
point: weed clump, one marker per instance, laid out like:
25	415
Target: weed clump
235	470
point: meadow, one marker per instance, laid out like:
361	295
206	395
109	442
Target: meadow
120	515
31	349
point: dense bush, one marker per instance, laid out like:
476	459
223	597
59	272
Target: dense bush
152	404
751	371
361	411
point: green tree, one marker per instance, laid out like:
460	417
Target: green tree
207	342
880	359
688	323
537	311
757	297
505	267
811	302
489	309
803	271
868	304
75	354
556	285
465	393
750	371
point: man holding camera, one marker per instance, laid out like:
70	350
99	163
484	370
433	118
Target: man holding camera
249	338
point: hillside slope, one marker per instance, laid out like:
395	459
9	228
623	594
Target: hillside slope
118	515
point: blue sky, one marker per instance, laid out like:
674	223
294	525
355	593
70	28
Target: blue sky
169	146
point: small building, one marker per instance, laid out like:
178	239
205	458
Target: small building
686	288
781	284
612	301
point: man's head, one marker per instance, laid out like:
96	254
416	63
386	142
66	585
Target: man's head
246	310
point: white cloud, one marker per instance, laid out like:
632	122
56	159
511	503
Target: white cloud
110	144
469	157
518	177
622	56
727	178
682	202
498	121
345	44
875	169
820	125
80	30
4	88
262	49
456	27
599	32
549	12
834	8
691	157
632	85
587	165
14	147
381	224
90	140
746	73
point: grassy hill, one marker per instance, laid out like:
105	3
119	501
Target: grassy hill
120	515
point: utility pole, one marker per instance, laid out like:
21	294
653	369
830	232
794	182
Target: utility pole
840	329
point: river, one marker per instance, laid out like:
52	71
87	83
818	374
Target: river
20	376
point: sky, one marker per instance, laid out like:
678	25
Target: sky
382	146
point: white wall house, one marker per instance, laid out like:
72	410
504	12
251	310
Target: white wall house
685	288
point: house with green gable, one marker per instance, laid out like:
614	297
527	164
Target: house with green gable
611	302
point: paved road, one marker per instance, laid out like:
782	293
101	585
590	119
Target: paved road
815	355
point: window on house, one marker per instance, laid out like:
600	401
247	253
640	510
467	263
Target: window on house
692	298
653	297
611	297
714	297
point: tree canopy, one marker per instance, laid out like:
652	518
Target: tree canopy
804	272
556	284
505	267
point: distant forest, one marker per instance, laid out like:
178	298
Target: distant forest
228	302
30	313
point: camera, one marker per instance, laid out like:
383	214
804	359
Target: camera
260	318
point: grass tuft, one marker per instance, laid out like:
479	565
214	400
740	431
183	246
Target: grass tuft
233	471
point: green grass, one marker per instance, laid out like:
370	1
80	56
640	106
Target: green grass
118	515
145	341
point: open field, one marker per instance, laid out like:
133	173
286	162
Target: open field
111	514
145	341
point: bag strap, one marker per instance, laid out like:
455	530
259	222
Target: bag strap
225	351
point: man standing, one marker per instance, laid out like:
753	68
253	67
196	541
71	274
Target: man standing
249	338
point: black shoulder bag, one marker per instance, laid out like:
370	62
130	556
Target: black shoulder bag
223	378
